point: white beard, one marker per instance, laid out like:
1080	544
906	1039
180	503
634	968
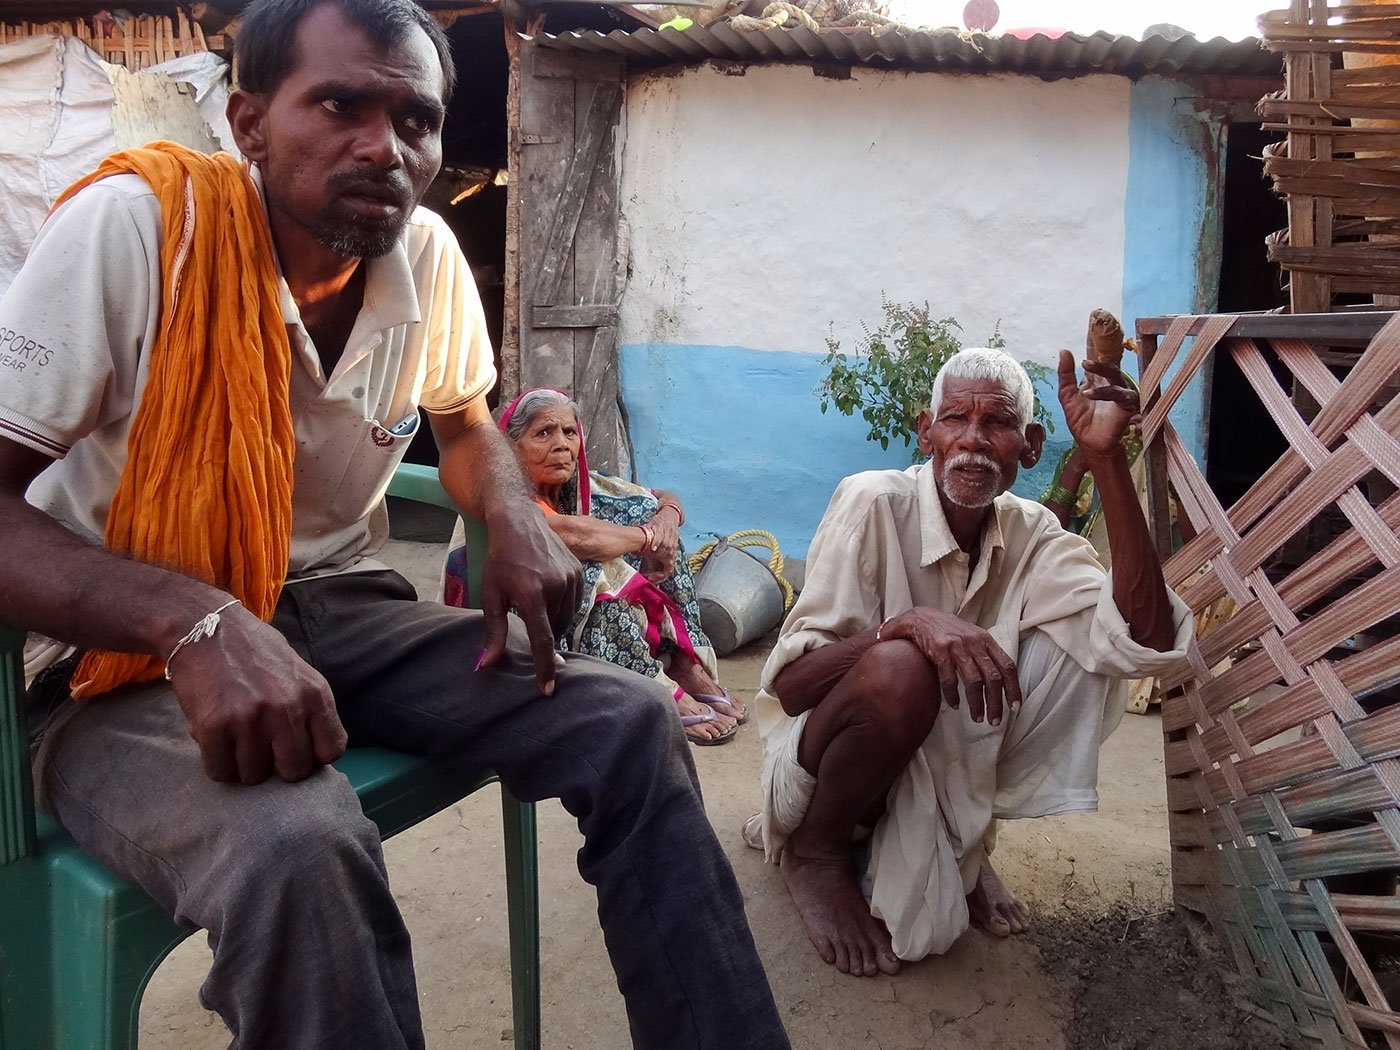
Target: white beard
964	494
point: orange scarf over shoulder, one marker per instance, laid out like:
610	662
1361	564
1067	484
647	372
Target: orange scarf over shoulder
207	486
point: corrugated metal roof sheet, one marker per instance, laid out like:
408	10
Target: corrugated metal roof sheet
925	49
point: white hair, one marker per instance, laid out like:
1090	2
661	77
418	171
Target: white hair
530	405
981	362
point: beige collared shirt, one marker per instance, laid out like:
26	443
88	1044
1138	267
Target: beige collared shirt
883	547
78	324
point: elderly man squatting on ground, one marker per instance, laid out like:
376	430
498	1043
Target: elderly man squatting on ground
214	332
936	584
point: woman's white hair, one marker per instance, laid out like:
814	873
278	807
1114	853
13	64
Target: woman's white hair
529	406
981	362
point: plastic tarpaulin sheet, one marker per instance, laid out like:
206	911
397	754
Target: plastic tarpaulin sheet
58	104
56	109
207	74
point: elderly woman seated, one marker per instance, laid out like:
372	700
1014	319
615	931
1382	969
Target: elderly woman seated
639	609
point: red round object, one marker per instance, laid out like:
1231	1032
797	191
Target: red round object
981	15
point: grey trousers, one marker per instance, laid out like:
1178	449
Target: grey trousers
288	879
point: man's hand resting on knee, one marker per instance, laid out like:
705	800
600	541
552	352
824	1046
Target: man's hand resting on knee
528	567
961	652
253	705
530	571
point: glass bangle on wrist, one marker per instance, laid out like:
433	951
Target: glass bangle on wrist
1057	493
880	631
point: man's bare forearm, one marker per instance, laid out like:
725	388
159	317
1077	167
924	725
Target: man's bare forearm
804	683
1139	590
54	582
483	477
528	568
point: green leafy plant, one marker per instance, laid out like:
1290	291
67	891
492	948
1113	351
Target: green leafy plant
888	376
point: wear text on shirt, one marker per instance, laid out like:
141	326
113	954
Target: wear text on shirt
17	351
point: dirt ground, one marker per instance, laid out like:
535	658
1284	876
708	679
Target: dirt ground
1088	977
1099	962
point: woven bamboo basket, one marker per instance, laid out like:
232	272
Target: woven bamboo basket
135	42
1283	734
1339	166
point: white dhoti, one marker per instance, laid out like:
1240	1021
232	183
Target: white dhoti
928	847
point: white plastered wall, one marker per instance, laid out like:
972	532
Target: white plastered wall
764	208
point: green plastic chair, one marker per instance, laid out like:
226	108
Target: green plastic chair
78	944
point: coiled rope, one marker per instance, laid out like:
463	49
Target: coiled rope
748	538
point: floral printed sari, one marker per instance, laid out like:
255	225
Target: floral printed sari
624	618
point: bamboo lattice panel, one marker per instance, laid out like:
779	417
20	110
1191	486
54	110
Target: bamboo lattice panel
134	42
1339	166
1281	741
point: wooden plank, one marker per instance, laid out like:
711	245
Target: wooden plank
1374	914
1158	495
587	315
1182	795
600	116
1189	831
1342	328
1377	172
546	113
569	227
511	345
596	281
1348	793
1364	263
598	377
1308	224
576	68
1324	804
1347	852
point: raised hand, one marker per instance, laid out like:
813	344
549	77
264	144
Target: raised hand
962	652
1100	409
254	707
528	569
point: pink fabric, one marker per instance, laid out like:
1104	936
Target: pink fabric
655	603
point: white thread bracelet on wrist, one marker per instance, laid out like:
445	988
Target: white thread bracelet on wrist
200	631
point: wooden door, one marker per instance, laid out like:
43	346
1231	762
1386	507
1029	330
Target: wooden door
568	257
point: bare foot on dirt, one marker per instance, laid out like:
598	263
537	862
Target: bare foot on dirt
703	731
837	918
994	908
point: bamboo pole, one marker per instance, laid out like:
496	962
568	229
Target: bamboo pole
138	43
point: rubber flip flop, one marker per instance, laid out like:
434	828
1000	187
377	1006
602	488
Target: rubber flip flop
708	716
723	697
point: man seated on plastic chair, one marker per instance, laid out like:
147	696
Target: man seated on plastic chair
219	369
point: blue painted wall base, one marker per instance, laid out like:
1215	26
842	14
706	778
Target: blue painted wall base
739	434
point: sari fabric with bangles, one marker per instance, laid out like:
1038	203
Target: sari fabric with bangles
624	618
